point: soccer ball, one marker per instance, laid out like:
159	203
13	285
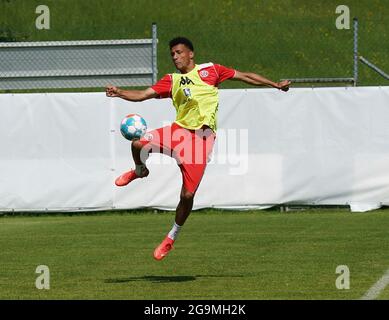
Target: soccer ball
133	126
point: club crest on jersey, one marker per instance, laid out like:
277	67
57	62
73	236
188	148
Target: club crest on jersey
185	81
204	73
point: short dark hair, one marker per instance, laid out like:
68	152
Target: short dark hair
181	40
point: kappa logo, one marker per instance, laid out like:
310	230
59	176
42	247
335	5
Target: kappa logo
204	73
185	81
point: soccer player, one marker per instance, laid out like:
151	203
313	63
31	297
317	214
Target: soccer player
190	138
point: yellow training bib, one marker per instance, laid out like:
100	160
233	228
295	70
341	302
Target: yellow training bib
196	102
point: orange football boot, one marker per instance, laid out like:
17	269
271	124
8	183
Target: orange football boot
163	249
129	176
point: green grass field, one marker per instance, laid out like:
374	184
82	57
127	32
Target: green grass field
279	39
219	255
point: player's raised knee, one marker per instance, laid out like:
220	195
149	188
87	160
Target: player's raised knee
187	195
137	144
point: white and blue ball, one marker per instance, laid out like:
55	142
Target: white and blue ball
133	126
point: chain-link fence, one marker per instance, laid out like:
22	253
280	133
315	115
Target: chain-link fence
246	35
272	50
77	64
314	53
373	45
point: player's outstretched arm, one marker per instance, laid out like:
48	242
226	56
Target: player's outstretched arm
257	80
130	95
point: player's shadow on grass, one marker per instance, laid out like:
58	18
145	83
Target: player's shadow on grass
163	279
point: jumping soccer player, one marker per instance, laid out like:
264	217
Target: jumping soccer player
190	138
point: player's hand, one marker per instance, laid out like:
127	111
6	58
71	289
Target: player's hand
111	91
284	85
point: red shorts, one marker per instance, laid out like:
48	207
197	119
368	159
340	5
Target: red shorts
190	148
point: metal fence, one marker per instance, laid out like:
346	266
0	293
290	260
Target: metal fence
351	80
78	64
308	51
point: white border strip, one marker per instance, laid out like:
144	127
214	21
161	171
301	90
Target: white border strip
377	288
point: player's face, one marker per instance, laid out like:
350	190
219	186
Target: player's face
181	56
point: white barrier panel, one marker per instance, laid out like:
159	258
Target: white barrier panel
324	146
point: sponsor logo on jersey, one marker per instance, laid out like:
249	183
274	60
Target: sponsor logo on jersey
187	92
185	81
